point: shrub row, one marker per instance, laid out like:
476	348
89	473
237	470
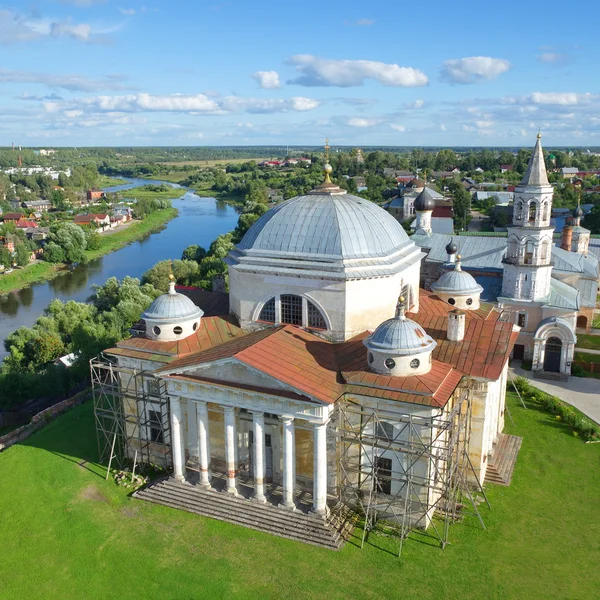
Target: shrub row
581	425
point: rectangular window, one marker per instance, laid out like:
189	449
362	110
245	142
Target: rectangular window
153	387
291	309
155	426
522	319
383	473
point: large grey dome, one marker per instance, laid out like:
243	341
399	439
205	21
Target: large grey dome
326	225
172	308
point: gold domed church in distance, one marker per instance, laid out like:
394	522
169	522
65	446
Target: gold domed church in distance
332	386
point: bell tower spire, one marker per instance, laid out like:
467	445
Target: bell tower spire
527	262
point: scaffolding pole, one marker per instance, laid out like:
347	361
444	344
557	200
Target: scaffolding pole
131	413
431	478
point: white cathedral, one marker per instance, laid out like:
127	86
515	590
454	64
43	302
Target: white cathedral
333	383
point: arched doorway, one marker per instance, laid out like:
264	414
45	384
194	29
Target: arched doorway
552	353
582	322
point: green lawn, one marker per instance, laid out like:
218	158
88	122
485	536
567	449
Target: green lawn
21	278
67	533
140	194
591	342
106	181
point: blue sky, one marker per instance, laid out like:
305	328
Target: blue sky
213	72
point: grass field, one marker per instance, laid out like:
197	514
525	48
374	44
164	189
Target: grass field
140	194
43	271
106	181
67	533
591	342
212	163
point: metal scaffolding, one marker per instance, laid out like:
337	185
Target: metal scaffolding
131	412
407	471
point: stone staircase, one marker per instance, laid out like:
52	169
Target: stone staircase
327	532
501	463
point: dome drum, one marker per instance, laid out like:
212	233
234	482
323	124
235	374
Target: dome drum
399	347
171	317
458	288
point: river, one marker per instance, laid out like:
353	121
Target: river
200	221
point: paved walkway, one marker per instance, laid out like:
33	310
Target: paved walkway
581	392
587	350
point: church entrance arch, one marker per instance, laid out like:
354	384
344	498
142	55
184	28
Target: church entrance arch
552	355
582	322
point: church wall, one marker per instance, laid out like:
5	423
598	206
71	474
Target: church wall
369	302
249	291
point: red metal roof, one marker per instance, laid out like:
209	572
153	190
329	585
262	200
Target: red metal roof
487	344
212	332
322	370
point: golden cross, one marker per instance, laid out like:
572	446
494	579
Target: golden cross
327	147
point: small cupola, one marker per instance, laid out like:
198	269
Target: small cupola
171	316
458	288
451	250
399	347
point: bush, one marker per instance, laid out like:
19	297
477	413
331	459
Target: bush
582	426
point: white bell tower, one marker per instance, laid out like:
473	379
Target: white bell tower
527	263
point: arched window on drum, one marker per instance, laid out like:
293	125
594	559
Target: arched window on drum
290	309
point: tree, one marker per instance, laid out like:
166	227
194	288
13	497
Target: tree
461	204
6	258
193	252
93	239
53	253
58	200
71	239
592	220
22	254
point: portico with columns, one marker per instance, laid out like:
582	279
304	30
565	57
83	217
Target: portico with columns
241	446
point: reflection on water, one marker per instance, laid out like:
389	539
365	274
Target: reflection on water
200	221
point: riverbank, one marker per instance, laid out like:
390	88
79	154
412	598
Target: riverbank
142	194
106	181
43	271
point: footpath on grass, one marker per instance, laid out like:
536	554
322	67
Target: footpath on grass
43	271
580	392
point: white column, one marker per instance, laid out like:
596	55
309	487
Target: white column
230	448
320	469
203	445
289	461
258	419
177	439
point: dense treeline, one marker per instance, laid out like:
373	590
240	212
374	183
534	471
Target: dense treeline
81	328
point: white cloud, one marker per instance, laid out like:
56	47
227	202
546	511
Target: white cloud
15	28
127	11
415	104
474	69
359	22
198	103
484	124
317	71
362	122
267	105
77	83
268	80
562	98
397	127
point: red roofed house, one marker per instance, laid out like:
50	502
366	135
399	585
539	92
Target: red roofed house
94	195
24	224
11	217
102	221
314	387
